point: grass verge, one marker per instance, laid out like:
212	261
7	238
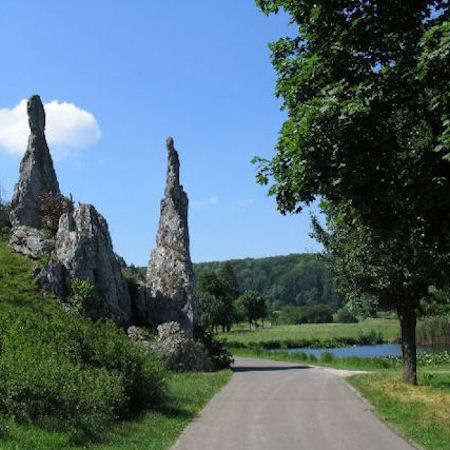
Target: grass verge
420	413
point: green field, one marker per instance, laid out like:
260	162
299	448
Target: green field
309	335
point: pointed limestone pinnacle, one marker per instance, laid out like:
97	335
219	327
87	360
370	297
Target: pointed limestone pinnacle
37	175
170	276
173	166
36	115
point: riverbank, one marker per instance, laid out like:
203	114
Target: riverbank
438	361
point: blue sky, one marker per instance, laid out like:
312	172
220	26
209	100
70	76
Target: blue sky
198	71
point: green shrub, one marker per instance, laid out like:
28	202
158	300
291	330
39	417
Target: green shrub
345	316
81	294
45	259
218	354
82	375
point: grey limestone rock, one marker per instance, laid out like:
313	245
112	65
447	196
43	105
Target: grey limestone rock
37	174
180	349
170	276
84	250
30	241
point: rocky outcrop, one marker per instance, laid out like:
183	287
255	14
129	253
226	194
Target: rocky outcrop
84	250
71	244
30	241
170	276
37	175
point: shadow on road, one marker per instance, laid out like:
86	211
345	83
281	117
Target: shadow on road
267	369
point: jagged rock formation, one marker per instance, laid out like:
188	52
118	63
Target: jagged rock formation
170	276
37	175
84	250
81	248
30	241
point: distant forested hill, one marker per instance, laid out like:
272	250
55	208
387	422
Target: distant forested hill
296	279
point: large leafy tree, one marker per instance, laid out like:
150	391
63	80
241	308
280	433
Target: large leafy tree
365	84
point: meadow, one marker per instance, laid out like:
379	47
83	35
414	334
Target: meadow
369	331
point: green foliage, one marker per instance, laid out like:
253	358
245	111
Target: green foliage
300	280
367	92
218	354
81	294
62	371
216	298
293	315
45	259
345	316
79	373
436	303
253	306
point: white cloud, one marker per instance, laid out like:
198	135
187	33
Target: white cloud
67	126
212	201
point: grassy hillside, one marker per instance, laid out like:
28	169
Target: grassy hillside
66	382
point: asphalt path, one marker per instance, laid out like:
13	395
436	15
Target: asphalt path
283	406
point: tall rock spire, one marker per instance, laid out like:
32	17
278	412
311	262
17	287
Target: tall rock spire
170	276
37	175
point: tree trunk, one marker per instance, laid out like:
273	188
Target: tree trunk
407	317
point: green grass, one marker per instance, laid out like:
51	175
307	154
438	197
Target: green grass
154	430
18	290
307	335
420	413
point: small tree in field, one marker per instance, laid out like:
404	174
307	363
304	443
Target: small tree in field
216	300
253	307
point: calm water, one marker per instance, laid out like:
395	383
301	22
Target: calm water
363	351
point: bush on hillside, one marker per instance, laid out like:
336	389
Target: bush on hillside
83	375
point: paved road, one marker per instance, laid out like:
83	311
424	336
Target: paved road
282	406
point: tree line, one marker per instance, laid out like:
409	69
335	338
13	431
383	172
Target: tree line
296	279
